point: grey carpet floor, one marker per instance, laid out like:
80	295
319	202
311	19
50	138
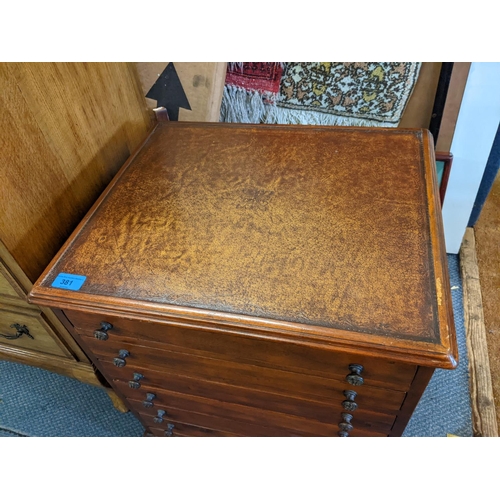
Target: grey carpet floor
34	402
445	406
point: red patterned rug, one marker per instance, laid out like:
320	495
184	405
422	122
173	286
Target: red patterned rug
260	77
250	88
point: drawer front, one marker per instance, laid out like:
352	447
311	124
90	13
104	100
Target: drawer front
214	422
221	371
39	338
251	350
176	423
155	400
185	430
366	398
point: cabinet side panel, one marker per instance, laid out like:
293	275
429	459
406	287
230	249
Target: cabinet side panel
420	382
65	130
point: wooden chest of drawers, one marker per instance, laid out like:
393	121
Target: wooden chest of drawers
242	280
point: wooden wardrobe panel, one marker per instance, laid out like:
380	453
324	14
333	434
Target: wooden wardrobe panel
454	97
65	129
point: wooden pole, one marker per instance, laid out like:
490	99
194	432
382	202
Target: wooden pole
484	421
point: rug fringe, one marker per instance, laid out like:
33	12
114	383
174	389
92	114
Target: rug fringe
243	106
279	115
240	105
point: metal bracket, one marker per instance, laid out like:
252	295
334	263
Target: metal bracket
21	330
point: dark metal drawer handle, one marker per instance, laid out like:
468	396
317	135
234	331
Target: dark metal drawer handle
159	416
21	330
349	404
170	430
148	402
354	378
120	360
101	334
134	384
345	426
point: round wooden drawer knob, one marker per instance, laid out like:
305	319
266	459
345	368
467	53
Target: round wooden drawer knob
159	416
345	425
120	360
349	404
148	402
102	334
354	378
134	384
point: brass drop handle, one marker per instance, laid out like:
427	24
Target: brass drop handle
21	330
134	384
354	378
170	430
159	416
120	360
349	404
101	334
345	426
148	402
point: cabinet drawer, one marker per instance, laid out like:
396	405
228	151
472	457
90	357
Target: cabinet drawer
224	425
185	430
288	356
37	327
368	398
222	371
213	422
162	400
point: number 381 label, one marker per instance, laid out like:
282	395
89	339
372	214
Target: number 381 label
69	281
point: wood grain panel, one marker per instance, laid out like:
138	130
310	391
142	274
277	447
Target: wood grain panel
65	129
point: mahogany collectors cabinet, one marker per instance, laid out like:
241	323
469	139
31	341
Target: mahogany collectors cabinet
255	280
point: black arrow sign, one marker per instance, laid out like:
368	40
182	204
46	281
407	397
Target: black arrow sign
168	92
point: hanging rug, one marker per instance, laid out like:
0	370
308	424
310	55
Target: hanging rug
334	93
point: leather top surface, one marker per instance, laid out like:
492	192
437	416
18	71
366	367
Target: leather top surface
324	226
